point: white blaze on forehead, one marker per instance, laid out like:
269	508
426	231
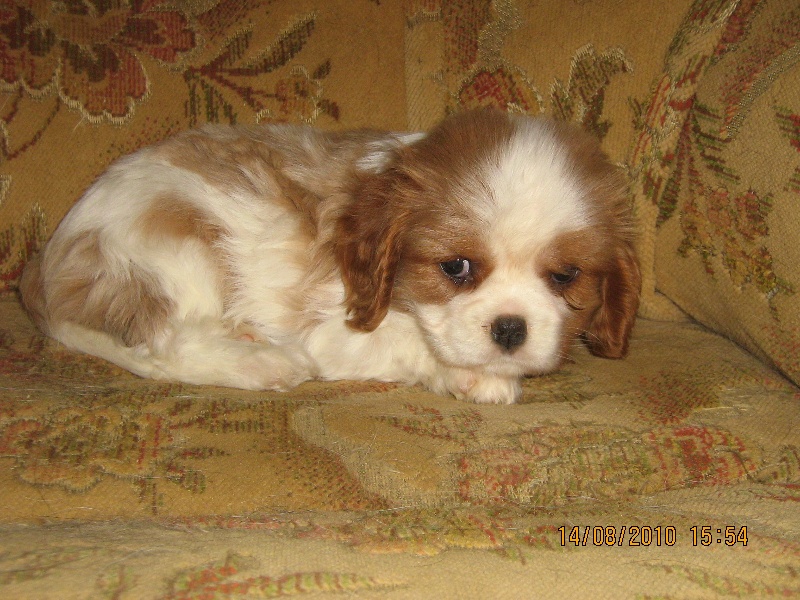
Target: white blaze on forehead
535	191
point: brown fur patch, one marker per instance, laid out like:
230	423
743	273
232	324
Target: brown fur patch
420	277
81	288
173	217
406	221
236	160
609	331
587	251
604	297
368	249
295	166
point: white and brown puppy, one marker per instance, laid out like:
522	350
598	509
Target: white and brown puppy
261	257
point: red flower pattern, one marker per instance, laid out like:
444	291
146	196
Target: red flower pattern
87	52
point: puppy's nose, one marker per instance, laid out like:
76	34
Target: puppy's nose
509	331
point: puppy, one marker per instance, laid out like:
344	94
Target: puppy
260	257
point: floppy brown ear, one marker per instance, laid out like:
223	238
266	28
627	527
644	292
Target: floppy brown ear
610	327
368	248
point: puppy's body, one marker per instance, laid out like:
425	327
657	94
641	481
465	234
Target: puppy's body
261	257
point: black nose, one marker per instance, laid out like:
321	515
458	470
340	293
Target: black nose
509	331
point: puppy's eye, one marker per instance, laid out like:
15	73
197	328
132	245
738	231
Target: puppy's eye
459	269
565	276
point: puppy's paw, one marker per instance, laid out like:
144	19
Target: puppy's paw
490	389
265	367
481	388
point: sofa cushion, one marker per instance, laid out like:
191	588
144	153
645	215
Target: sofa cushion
140	486
718	177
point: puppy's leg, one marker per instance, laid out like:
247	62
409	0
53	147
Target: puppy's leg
202	352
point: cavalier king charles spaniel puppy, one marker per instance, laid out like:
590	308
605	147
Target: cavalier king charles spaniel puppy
259	257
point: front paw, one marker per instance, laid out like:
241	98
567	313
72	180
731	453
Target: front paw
481	388
490	389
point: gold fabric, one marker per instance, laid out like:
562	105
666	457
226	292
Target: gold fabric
671	474
719	177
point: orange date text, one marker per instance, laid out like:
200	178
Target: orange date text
633	535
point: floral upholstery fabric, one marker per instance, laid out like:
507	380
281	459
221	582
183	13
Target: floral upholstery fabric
671	474
718	161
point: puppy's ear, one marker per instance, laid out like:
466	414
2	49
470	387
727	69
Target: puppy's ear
368	247
610	327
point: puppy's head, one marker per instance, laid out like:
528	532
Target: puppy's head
507	237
